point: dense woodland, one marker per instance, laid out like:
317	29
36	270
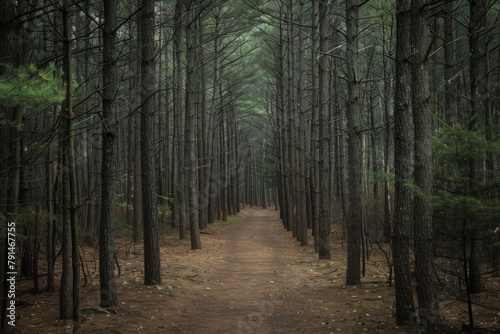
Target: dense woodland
137	118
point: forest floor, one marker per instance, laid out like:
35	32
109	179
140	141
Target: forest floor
250	277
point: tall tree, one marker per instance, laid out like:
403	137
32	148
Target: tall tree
109	159
70	192
315	124
401	235
190	157
210	192
424	261
291	111
281	113
302	220
152	263
354	223
324	144
479	116
65	289
178	181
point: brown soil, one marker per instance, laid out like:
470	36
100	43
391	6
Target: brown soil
250	277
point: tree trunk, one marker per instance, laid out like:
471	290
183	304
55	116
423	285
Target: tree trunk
210	191
450	67
152	263
478	117
138	212
282	127
68	157
65	290
178	180
387	142
108	293
202	131
291	110
302	171
354	219
51	211
424	266
401	235
324	225
190	158
223	209
315	184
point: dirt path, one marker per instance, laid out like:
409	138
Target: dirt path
250	277
251	285
253	277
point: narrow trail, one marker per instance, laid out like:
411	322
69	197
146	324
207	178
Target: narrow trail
251	285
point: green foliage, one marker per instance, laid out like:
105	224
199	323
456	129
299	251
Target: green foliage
461	202
30	86
456	147
381	176
26	217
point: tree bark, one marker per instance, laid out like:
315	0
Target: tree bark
401	235
324	225
152	263
315	184
108	293
210	191
178	165
450	67
68	157
291	110
423	175
202	132
51	211
478	118
302	171
223	179
354	219
190	158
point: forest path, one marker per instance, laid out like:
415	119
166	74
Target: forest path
252	283
251	276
